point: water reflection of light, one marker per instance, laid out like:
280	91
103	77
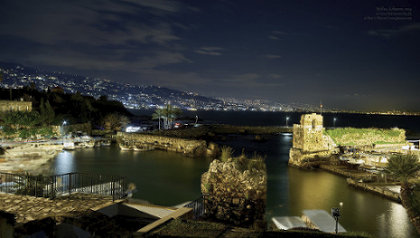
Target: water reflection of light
316	191
64	163
398	222
286	136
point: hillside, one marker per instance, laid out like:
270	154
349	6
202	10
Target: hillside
132	96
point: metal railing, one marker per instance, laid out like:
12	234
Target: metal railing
198	207
64	184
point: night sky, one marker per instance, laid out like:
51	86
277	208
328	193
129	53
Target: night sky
347	54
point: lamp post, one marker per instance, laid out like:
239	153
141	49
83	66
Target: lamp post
64	123
335	212
287	119
334	120
159	117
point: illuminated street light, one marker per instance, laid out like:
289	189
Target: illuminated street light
335	119
62	127
287	119
335	212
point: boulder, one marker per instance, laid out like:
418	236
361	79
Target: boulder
234	195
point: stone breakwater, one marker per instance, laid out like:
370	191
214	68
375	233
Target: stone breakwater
234	195
141	142
381	190
27	156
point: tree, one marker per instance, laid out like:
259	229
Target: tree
403	168
115	121
21	119
47	114
103	98
170	113
82	106
158	114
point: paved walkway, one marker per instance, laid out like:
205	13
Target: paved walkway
154	210
28	208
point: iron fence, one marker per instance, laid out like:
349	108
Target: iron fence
198	207
64	184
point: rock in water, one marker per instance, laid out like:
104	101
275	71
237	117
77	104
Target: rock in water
235	191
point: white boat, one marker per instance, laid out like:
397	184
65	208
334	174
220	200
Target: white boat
124	147
85	144
68	146
356	161
142	148
105	143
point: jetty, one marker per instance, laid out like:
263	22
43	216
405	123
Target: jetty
288	222
321	220
311	219
130	141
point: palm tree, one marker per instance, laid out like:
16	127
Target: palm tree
403	168
169	113
158	114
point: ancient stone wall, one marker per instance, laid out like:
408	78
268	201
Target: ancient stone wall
186	146
22	106
232	195
309	134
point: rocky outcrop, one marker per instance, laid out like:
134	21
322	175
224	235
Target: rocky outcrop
301	158
235	191
28	156
133	141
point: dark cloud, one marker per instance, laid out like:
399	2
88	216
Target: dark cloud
209	50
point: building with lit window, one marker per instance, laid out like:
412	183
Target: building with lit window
22	106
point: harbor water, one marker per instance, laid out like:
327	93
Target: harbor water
167	178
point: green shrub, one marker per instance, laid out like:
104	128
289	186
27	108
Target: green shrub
256	162
46	131
24	133
226	153
207	187
242	161
8	130
415	202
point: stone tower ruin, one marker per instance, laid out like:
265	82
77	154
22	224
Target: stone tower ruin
309	140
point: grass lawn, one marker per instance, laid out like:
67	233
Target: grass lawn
366	136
